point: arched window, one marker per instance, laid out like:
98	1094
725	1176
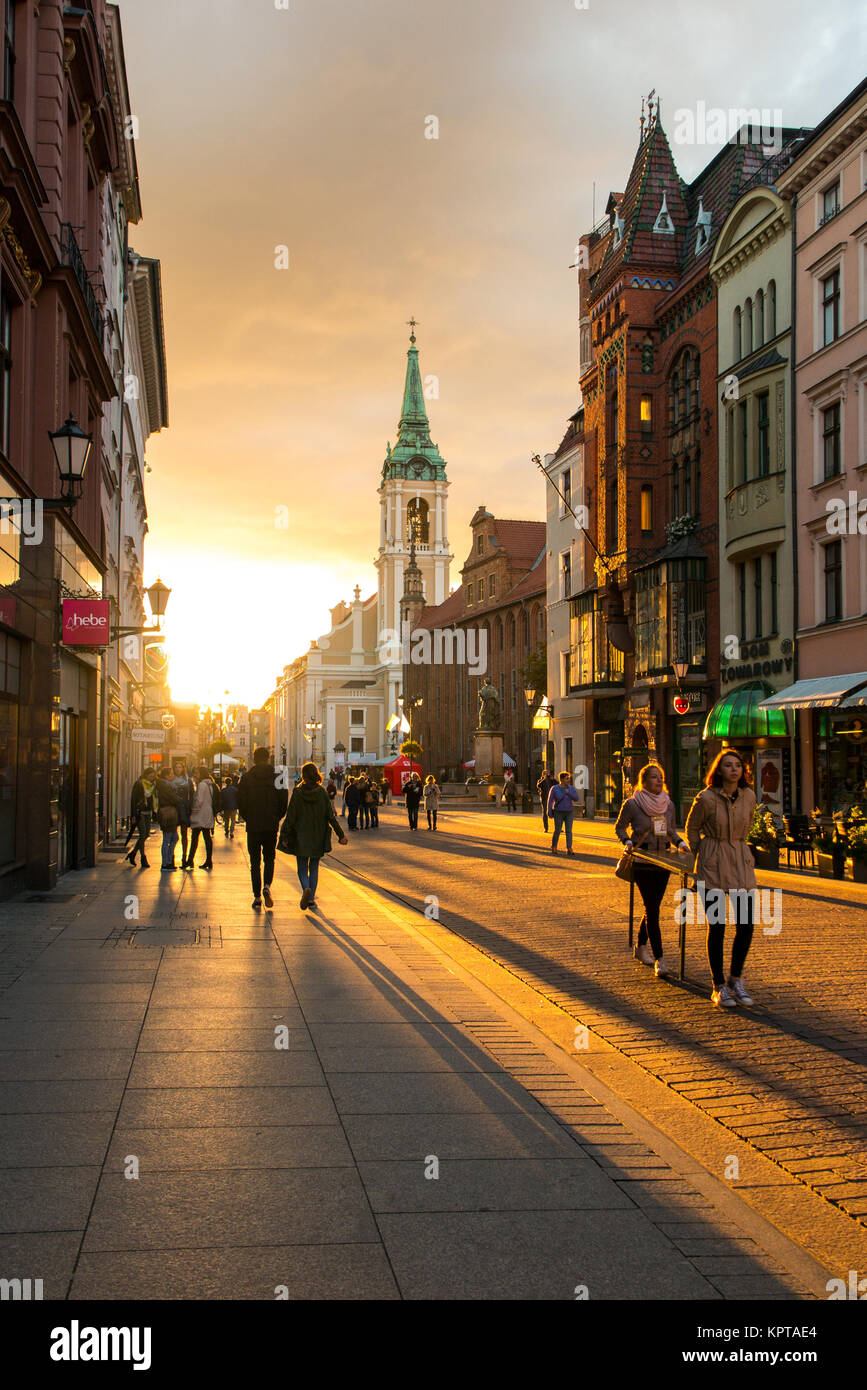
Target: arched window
674	396
760	319
527	629
511	629
772	310
748	328
499	632
417	524
738	350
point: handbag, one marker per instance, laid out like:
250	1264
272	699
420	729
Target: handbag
287	839
625	866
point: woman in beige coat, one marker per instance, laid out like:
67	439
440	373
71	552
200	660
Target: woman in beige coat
716	828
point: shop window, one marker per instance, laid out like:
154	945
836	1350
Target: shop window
764	433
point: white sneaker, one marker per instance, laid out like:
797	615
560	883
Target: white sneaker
723	998
739	990
661	970
644	954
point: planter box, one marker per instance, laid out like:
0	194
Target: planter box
766	856
859	871
830	865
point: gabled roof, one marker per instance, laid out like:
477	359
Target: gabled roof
520	540
653	178
446	613
533	582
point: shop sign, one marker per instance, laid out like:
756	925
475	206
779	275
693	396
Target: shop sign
7	610
769	777
85	622
148	735
766	659
541	721
689	702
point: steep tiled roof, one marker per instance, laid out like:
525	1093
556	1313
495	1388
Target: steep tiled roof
446	613
520	540
653	176
533	582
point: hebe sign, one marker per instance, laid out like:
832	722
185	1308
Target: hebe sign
85	622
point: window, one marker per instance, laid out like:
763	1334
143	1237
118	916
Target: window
675	399
738	354
540	624
758	630
469	593
526	629
566	574
743	436
5	372
772	310
611	518
831	307
764	433
834	582
499	634
612	403
687	488
511	629
646	414
417	525
760	319
647	508
514	689
748	328
592	659
492	585
773	564
830	202
831	440
356	716
356	745
742	601
687	387
9	50
480	545
567	488
567	755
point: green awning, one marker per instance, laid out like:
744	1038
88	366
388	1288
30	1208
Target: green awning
737	715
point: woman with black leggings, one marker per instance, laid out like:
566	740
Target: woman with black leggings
649	816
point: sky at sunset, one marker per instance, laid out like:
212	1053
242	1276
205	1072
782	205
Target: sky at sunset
305	127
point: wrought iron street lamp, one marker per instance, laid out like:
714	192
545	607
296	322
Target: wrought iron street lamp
71	451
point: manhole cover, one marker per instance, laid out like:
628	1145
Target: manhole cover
159	936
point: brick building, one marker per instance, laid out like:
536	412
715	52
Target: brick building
499	608
648	323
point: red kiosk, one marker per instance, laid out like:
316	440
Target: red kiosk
398	773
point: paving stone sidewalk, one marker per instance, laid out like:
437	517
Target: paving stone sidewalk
203	1102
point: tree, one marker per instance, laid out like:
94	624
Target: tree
213	750
535	673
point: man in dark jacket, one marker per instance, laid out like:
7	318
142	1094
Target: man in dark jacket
229	807
352	801
543	787
412	795
262	804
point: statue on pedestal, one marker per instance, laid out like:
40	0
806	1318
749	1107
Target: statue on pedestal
489	705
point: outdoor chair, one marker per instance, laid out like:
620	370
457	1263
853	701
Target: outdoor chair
798	840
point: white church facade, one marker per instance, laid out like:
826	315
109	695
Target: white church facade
333	704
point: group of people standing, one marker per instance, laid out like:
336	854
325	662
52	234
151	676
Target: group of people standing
715	835
184	810
362	797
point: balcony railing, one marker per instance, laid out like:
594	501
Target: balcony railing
70	254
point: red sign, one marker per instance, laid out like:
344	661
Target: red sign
85	622
681	704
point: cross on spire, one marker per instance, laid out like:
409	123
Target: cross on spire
413	324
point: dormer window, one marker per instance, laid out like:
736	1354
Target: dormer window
618	229
480	545
702	224
663	221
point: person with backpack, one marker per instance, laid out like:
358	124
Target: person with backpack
351	802
142	809
543	787
412	795
229	807
206	804
432	796
262	803
562	800
168	821
306	830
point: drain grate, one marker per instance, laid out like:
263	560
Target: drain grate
155	938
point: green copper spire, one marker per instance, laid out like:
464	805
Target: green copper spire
414	455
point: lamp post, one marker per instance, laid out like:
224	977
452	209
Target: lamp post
312	727
158	598
530	697
409	703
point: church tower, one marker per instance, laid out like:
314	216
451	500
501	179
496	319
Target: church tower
413	507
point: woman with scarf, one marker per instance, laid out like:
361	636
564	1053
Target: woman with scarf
649	816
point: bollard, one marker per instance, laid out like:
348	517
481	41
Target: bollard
527	802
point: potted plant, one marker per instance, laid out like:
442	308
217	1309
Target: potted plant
763	839
830	853
858	848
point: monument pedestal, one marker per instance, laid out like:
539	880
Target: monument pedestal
488	753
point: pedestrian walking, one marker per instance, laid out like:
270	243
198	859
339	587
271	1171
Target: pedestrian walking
646	821
716	828
263	804
366	800
206	803
562	800
543	787
229	806
351	802
168	821
184	790
510	792
432	796
331	789
374	804
384	791
412	794
306	830
142	807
